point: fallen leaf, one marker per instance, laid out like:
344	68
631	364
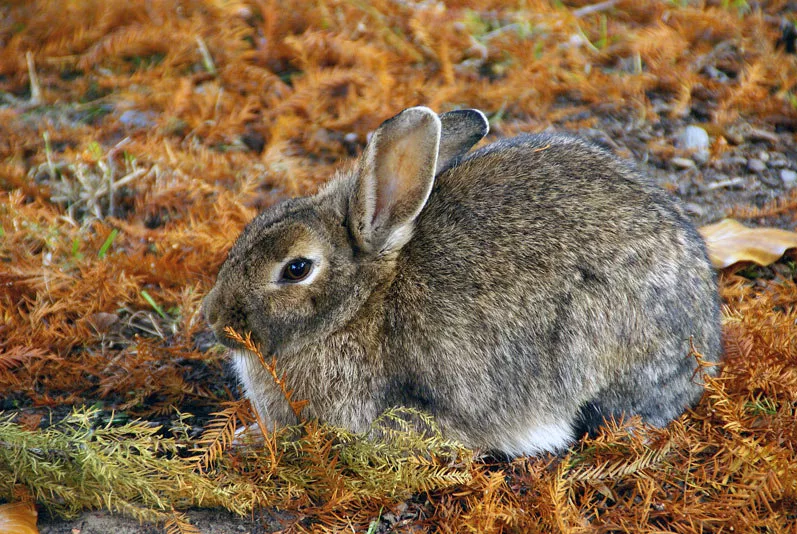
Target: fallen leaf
29	421
102	321
18	518
730	242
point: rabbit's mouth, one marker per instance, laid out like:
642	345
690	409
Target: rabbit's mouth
241	342
233	339
227	341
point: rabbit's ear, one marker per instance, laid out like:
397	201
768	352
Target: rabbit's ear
394	179
461	130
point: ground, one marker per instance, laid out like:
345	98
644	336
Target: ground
137	139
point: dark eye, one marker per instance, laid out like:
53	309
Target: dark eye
297	270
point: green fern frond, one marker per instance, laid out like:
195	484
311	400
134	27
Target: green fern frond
135	470
130	469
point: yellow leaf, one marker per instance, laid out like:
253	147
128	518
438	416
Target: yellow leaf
730	242
18	518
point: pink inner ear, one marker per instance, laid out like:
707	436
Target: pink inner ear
385	194
397	176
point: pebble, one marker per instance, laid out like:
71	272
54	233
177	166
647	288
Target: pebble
788	177
756	165
695	139
682	163
756	134
137	119
735	160
728	163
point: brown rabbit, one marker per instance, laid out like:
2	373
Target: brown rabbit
520	294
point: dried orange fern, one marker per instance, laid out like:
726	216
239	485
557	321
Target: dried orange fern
271	367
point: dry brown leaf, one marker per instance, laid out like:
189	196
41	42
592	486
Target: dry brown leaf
18	518
730	242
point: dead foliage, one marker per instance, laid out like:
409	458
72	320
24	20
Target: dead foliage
138	138
19	518
729	242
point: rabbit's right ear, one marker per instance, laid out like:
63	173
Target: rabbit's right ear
462	129
394	179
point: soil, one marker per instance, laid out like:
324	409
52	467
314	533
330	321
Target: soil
207	521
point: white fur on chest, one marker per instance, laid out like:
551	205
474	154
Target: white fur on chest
242	361
551	437
253	379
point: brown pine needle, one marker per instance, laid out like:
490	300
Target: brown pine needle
271	367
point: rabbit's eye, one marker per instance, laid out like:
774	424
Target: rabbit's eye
297	270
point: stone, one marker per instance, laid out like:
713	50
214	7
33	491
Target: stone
137	119
756	165
693	138
682	163
788	177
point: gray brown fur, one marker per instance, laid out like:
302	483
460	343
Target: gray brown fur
543	285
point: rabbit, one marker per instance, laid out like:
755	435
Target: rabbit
521	294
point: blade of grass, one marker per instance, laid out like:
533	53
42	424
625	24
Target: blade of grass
375	523
76	249
107	244
151	302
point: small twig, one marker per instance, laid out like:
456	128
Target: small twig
152	328
48	153
594	8
503	29
111	170
478	47
217	107
127	178
35	88
728	182
586	39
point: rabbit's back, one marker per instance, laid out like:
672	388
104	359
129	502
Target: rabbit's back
547	286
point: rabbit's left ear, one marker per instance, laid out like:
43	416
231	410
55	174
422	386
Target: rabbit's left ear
461	129
394	179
